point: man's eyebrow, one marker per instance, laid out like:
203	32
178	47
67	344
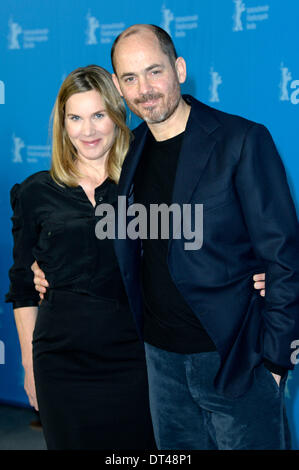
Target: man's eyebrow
154	66
148	69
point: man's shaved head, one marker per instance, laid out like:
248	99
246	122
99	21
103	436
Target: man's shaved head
162	36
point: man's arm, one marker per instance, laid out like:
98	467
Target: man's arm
41	283
272	224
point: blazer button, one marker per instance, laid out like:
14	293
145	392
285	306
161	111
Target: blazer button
49	234
100	199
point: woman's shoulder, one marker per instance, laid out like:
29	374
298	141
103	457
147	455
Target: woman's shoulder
36	178
30	186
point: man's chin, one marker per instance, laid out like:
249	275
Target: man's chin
155	118
150	117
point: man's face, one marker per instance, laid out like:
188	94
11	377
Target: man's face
145	77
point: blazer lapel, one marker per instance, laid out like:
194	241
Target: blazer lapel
196	150
132	159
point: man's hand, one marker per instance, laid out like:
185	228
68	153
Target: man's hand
276	378
259	284
39	280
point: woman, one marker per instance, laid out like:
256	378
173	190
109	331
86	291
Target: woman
81	342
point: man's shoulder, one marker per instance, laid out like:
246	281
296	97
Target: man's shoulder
208	115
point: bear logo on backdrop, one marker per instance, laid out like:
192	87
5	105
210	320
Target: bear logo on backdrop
254	15
92	26
177	26
30	37
107	32
18	145
287	84
13	37
215	81
168	17
32	152
239	10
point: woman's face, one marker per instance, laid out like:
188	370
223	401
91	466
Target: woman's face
90	129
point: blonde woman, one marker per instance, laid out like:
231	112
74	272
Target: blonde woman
84	364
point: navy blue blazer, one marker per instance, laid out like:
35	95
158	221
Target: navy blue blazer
231	166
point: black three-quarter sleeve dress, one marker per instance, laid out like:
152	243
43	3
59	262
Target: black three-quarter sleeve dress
89	364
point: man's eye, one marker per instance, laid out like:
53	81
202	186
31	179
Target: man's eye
129	79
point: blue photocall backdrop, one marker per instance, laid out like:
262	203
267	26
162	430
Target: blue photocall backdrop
242	57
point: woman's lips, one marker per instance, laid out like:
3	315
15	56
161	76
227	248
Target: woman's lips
91	143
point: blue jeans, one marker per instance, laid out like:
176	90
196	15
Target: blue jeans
189	413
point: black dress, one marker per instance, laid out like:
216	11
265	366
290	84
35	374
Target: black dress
89	364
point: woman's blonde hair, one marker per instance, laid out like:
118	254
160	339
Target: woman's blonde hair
63	168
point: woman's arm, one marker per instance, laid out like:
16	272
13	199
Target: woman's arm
25	319
21	294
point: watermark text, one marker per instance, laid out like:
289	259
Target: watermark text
2	353
159	222
2	92
295	346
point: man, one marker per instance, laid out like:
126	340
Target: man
217	352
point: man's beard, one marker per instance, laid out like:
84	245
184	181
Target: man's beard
155	115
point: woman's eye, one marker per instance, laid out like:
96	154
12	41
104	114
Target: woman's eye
99	115
74	118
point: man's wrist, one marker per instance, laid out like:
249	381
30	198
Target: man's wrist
274	368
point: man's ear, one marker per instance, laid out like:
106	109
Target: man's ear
116	83
181	69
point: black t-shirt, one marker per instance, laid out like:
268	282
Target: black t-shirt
170	323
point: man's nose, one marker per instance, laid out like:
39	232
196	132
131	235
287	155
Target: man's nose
144	86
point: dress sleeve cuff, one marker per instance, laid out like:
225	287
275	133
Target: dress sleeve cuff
274	368
24	303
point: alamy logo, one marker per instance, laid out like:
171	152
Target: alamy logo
18	145
295	353
185	222
239	9
92	26
287	83
2	353
2	92
216	80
